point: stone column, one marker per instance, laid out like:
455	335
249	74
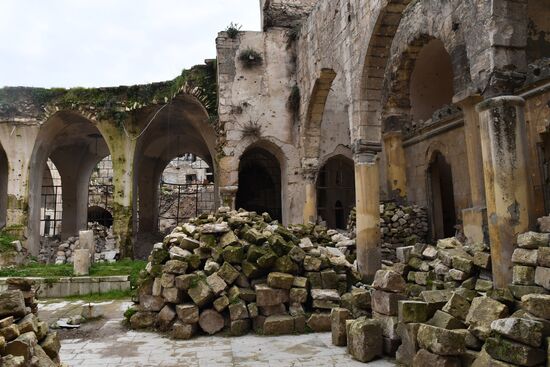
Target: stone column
396	165
310	200
474	219
367	191
503	143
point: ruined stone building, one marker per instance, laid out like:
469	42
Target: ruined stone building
334	104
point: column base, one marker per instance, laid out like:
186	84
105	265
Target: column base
474	222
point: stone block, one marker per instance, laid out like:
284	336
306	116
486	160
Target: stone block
482	313
385	302
388	324
298	295
424	358
51	345
143	320
339	316
542	277
436	299
319	322
364	340
457	306
441	341
543	257
278	325
523	275
533	240
183	331
238	311
409	346
511	352
188	313
389	281
221	303
23	346
267	296
280	280
412	311
201	293
445	321
228	273
299	282
216	284
10	332
151	303
240	327
172	295
211	321
279	309
525	257
166	316
521	330
482	259
537	304
329	279
184	282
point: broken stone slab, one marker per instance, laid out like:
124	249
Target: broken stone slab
364	340
537	304
278	325
515	353
211	321
339	316
482	313
425	358
389	281
441	341
520	330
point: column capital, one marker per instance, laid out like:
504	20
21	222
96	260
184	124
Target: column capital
465	99
365	151
500	101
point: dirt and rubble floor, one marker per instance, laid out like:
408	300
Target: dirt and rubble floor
108	343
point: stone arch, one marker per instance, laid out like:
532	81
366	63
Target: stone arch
260	187
180	127
75	144
374	65
314	116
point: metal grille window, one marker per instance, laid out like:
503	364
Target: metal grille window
51	208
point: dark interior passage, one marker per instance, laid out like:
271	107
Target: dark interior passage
260	183
442	197
336	191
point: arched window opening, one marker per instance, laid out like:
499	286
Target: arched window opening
431	84
100	194
260	183
51	211
186	190
336	191
440	178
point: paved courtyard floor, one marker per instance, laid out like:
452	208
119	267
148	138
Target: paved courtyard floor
108	343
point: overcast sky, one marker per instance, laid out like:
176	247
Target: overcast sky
91	43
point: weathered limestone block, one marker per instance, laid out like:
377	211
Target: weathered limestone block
543	256
175	267
151	303
228	273
482	259
389	281
201	293
188	313
544	224
388	324
172	295
10	332
542	277
385	302
166	316
41	359
183	331
278	325
412	311
444	320
523	275
536	304
525	257
184	282
436	299
312	263
23	346
483	312
211	321
238	311
142	320
364	340
533	240
521	330
512	352
424	358
409	346
221	303
319	322
12	303
457	306
267	296
339	316
280	280
51	345
216	284
28	323
485	360
82	262
298	295
471	341
441	341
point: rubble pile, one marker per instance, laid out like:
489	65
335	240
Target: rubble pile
400	225
439	318
24	339
105	246
240	271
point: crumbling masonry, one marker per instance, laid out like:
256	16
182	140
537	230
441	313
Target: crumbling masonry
334	104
